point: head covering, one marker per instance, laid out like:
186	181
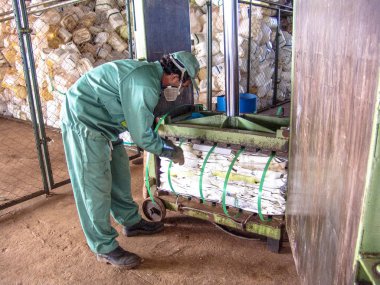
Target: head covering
190	63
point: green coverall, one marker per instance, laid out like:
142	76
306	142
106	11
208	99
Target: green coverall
110	99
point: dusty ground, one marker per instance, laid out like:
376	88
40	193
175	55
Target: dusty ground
20	173
41	242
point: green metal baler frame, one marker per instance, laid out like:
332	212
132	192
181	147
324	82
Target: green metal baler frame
251	131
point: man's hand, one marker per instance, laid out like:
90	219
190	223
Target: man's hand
173	152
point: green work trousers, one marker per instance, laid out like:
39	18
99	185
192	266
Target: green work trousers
101	181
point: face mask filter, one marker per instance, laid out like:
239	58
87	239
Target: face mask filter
171	93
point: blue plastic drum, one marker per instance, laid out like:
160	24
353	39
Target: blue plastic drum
247	103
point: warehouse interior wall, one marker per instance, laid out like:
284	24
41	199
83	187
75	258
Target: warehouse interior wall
335	75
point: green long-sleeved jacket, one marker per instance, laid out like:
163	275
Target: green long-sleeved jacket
115	97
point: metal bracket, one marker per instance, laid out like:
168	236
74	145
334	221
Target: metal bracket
25	31
369	269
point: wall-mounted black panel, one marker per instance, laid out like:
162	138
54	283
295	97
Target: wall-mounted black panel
167	27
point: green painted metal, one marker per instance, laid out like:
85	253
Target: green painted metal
251	227
244	124
26	51
196	214
227	136
264	230
248	122
221	220
369	271
368	246
272	123
170	206
215	121
250	130
371	232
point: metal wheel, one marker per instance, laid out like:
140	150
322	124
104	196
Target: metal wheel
155	212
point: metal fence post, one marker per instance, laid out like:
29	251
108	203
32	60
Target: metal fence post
274	102
33	94
249	47
209	55
130	42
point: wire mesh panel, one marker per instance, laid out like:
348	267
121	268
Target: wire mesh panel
67	41
259	38
284	56
20	173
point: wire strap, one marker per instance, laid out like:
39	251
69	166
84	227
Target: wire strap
226	181
261	188
202	172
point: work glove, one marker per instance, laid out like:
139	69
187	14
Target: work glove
173	152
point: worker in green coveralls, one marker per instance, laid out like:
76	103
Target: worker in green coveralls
113	98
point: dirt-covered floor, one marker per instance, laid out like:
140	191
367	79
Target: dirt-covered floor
41	242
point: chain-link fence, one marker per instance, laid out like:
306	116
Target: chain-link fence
264	50
65	41
20	153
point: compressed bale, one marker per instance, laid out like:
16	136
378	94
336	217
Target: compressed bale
51	17
117	42
202	73
65	35
243	183
101	38
115	19
271	22
202	61
266	34
69	22
218	59
103	51
123	32
197	38
88	20
196	20
104	5
81	36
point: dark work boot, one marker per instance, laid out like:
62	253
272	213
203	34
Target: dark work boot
120	257
143	228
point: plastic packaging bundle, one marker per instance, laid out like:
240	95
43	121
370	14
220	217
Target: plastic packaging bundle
206	179
117	42
115	18
104	5
65	35
81	36
262	37
69	22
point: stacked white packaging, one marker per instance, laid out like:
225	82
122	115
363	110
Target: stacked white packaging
262	54
243	184
66	42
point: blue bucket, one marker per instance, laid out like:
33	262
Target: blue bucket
247	103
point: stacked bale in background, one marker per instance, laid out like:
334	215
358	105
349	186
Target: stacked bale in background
67	42
12	87
262	54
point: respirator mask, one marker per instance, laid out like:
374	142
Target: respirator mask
171	93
